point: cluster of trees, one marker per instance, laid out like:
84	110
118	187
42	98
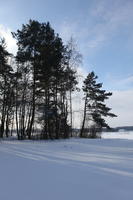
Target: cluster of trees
36	86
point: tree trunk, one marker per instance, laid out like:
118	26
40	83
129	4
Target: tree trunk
84	118
71	111
33	104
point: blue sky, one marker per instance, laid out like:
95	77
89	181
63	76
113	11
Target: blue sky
103	30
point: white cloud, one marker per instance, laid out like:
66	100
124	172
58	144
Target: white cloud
10	41
121	103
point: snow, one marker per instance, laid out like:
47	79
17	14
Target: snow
118	135
71	169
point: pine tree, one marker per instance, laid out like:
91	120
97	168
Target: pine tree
95	109
6	90
43	53
50	69
28	40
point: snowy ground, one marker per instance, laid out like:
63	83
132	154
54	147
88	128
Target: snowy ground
119	135
74	169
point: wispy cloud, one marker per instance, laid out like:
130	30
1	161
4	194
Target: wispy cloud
10	42
110	17
124	83
104	20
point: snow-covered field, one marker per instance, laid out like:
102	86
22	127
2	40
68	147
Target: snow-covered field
118	135
72	169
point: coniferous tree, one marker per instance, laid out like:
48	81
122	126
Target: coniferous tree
49	75
28	40
6	90
95	108
43	53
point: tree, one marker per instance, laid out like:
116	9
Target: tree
42	52
49	74
6	89
74	59
28	40
95	109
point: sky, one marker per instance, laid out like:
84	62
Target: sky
103	31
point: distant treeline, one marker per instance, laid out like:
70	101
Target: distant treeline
37	84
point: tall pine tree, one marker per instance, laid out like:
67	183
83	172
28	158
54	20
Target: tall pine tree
95	109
